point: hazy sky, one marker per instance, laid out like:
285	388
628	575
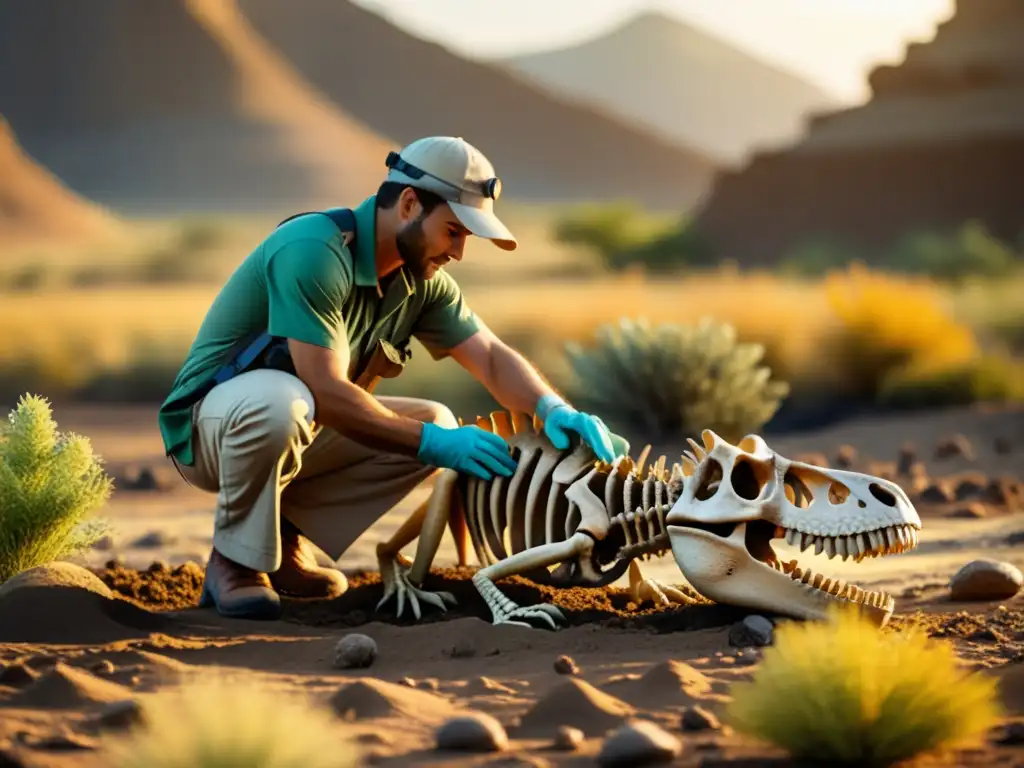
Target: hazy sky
832	42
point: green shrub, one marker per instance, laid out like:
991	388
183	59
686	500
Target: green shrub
50	484
622	235
971	251
227	721
884	324
844	692
991	378
673	381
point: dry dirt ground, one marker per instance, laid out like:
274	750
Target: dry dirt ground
632	661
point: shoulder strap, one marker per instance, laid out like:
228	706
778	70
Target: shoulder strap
343	219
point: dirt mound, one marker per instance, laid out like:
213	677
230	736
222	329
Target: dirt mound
37	207
369	699
577	704
940	143
65	687
73	615
176	106
669	684
543	148
159	588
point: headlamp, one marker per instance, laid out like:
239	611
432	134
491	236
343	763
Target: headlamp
490	188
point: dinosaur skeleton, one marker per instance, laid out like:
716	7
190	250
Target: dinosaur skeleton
567	518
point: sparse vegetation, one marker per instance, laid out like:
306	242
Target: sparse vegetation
847	693
50	486
884	325
672	381
225	721
857	338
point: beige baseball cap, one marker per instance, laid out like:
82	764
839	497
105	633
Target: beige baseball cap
460	173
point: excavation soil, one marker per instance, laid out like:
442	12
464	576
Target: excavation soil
69	654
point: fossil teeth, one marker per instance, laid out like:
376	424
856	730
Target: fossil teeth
819	545
830	547
792	537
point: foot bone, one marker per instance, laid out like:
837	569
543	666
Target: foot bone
506	611
394	573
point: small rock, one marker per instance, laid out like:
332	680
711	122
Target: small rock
463	649
1015	538
906	460
936	493
103	667
154	539
986	580
474	732
567	738
696	718
564	665
956	446
970	487
104	544
639	742
1012	734
1002	445
354	651
428	684
753	630
976	510
846	457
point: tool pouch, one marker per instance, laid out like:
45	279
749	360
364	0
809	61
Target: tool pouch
386	362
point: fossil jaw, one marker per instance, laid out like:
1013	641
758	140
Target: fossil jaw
735	563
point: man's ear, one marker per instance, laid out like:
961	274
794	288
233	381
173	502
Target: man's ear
409	206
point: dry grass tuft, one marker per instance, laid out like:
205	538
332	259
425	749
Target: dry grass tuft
845	692
227	722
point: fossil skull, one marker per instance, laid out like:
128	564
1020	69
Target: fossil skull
736	499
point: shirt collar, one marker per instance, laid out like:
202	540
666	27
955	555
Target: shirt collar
365	255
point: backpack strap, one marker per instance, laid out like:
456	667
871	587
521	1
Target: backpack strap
274	351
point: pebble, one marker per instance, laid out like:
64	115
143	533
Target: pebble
355	650
474	732
696	718
986	580
752	631
639	742
567	738
565	665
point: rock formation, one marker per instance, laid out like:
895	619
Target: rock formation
36	207
175	106
940	143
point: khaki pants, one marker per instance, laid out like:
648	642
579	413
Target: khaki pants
257	448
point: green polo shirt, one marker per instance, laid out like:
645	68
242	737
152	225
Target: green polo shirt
303	282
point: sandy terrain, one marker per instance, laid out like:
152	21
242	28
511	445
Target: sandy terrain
649	662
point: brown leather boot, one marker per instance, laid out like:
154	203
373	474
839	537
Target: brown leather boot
237	591
300	575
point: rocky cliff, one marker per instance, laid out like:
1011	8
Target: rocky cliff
940	142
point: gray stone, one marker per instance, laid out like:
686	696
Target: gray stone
696	718
355	651
639	742
752	631
473	732
986	580
568	738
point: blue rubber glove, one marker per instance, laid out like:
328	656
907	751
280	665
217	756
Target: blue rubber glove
466	449
559	417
